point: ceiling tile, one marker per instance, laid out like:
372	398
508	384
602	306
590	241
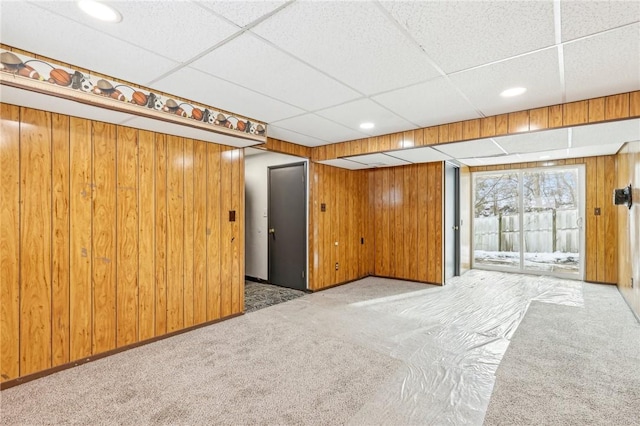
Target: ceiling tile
293	137
200	87
364	110
30	28
158	28
344	164
545	156
462	34
534	142
378	160
430	103
241	12
603	64
616	132
538	72
581	18
280	76
352	41
319	127
475	148
419	155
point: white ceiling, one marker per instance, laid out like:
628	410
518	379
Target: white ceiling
315	70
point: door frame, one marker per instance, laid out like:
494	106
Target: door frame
305	164
456	218
581	222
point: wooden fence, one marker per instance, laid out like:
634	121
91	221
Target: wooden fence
545	232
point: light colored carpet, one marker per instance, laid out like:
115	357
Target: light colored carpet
571	366
376	351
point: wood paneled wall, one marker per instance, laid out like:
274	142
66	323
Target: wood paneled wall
398	212
283	147
601	246
615	107
406	205
628	167
335	235
111	236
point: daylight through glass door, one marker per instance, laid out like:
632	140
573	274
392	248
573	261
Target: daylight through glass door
529	220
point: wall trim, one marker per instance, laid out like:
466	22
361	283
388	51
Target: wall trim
30	377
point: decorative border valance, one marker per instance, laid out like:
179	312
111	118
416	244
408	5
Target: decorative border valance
48	77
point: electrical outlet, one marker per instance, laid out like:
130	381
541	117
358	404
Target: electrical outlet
337	266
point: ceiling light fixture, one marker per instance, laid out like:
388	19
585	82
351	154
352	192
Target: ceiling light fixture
544	157
514	91
367	125
100	11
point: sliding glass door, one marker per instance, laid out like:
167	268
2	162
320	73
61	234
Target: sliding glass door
530	220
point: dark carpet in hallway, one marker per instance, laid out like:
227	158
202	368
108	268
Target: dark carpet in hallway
260	295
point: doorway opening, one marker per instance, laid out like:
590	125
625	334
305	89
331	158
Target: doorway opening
530	221
276	228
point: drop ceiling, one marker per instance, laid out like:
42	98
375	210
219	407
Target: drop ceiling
315	70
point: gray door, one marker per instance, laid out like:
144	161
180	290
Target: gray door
451	221
288	225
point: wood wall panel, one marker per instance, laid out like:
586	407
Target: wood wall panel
146	235
407	206
225	233
35	240
81	255
175	233
591	227
10	242
236	279
422	253
111	236
616	106
161	198
345	194
127	236
608	252
200	232
189	236
60	175
538	119
385	223
104	237
575	113
596	110
213	232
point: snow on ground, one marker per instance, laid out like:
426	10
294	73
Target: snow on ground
556	261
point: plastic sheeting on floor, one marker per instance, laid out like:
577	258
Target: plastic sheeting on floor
451	340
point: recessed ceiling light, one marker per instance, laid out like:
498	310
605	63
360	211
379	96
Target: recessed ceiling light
514	91
99	10
367	126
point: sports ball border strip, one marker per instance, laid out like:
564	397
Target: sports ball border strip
47	77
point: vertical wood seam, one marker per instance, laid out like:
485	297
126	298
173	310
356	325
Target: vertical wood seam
115	237
52	230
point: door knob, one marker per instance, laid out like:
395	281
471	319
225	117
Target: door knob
272	231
